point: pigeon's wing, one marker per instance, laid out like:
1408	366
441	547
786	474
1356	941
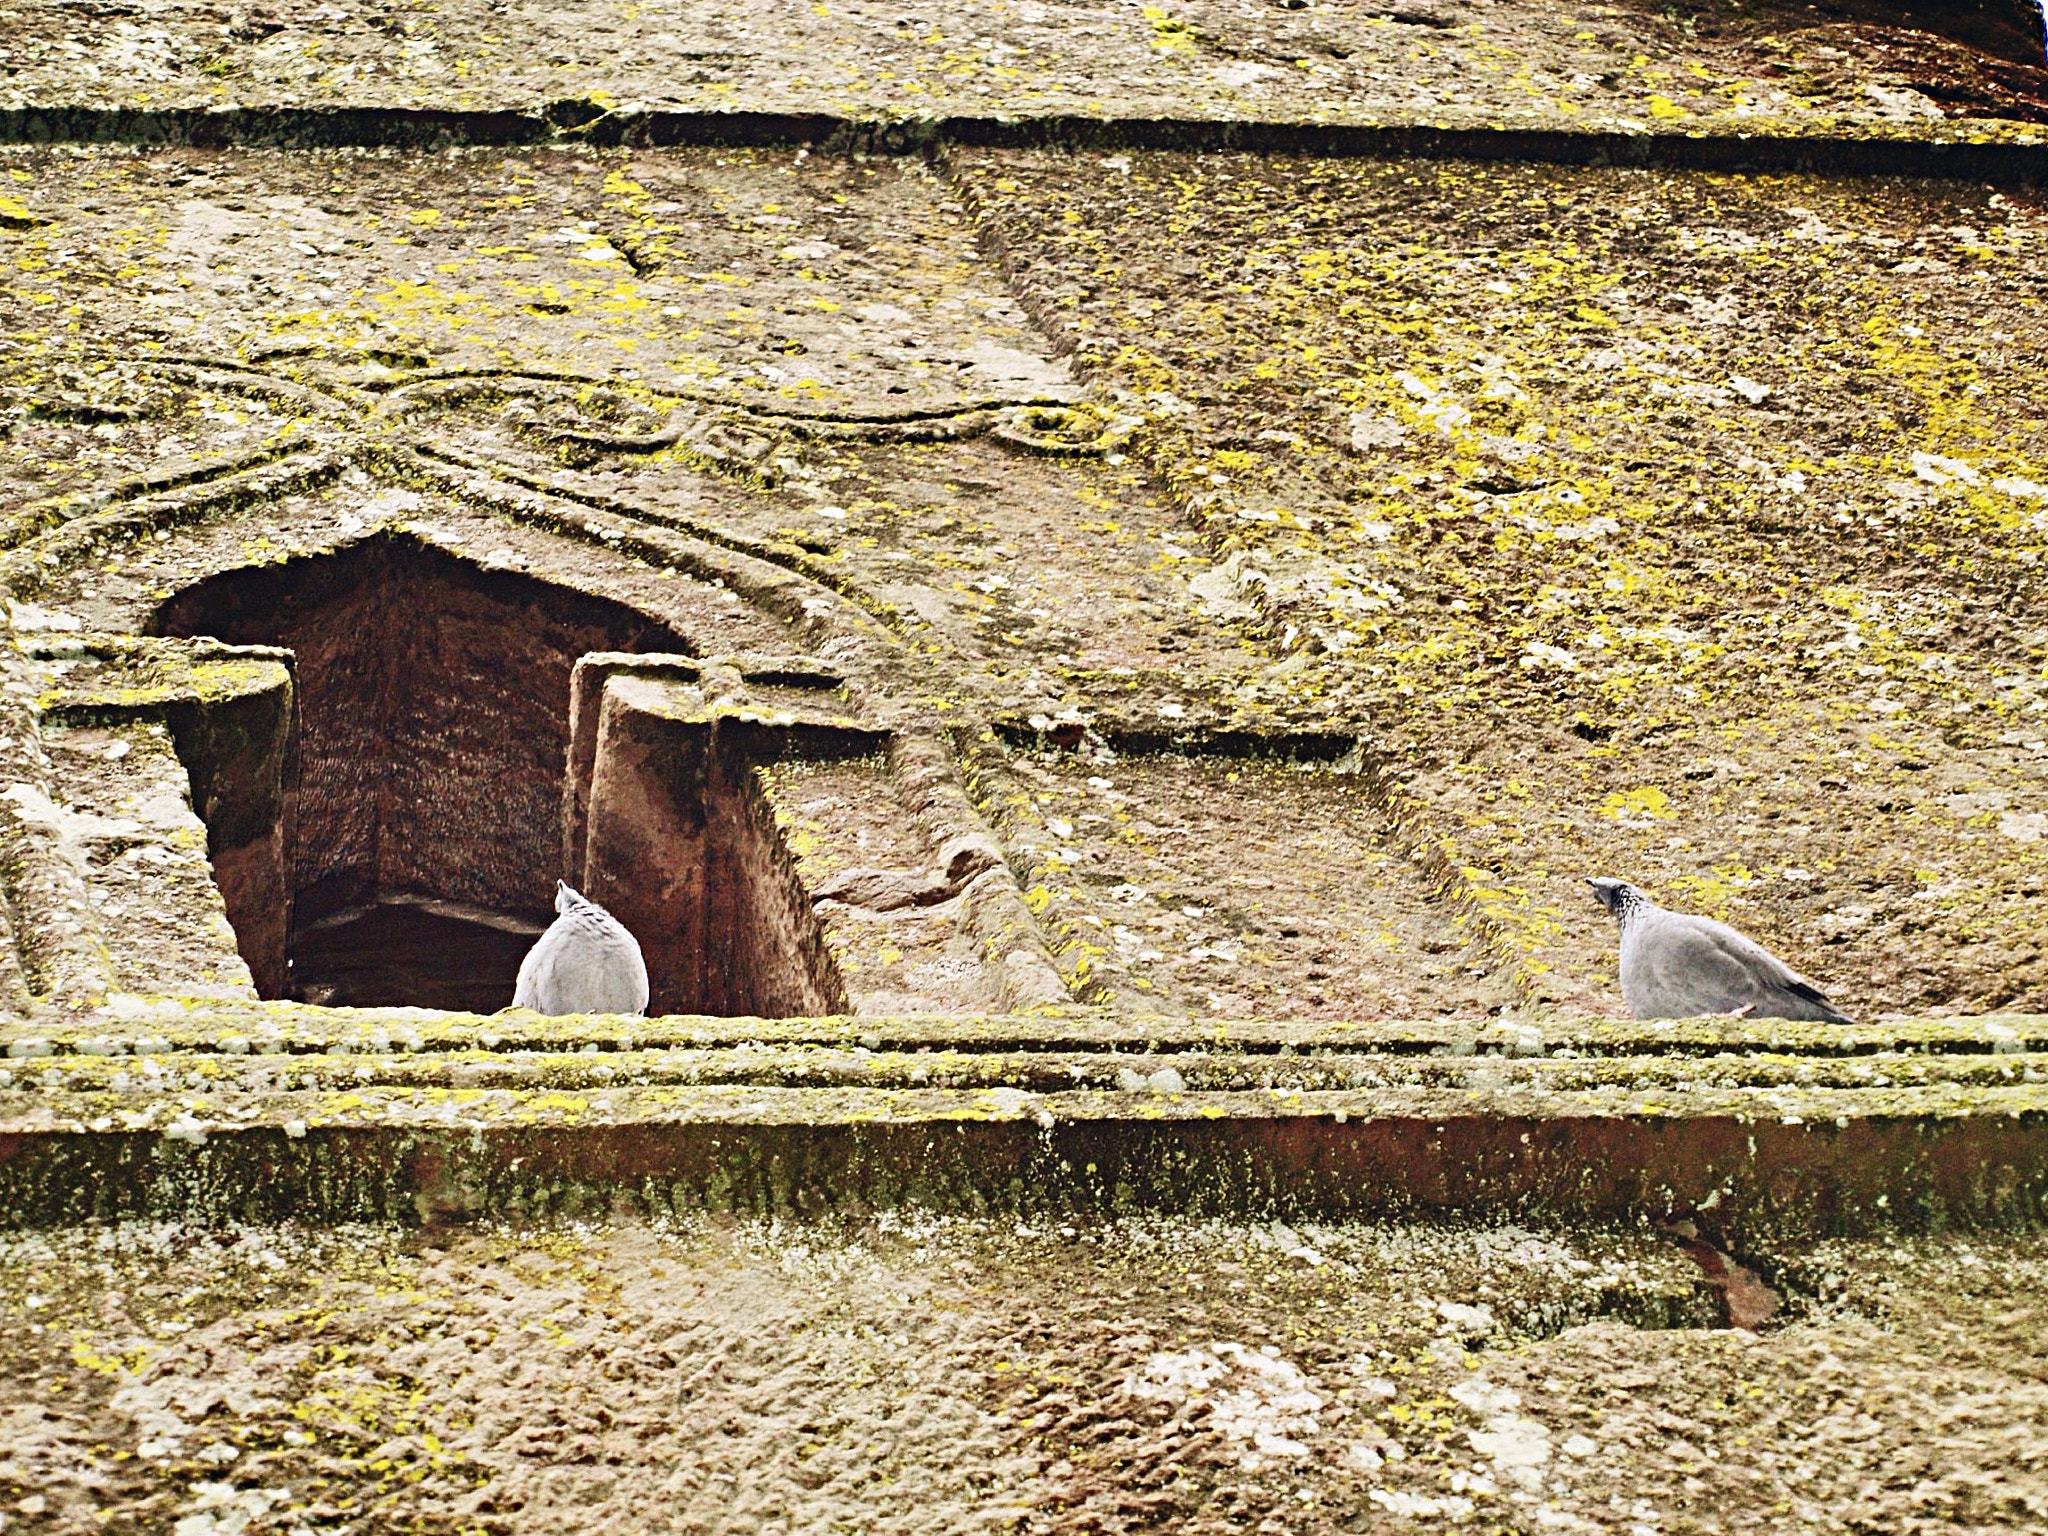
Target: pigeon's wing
537	970
627	975
1672	969
1682	966
1787	994
610	975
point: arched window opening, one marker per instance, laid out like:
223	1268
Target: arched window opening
423	811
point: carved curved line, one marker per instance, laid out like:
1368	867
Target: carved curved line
791	597
38	518
24	568
681	434
905	414
240	379
785	556
956	427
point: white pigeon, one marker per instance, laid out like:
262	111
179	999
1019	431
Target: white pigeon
585	963
1678	966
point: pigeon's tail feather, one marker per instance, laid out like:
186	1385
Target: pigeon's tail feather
1827	1013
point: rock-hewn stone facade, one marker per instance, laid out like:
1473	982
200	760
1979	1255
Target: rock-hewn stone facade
1091	579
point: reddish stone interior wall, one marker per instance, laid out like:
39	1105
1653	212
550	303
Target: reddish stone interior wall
766	948
682	848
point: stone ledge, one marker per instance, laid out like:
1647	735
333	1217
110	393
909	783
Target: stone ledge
1719	68
1988	149
158	1079
157	1025
1793	1160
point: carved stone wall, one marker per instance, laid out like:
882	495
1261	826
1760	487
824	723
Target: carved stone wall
1092	579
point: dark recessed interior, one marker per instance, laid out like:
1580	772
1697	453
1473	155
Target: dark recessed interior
424	812
431	954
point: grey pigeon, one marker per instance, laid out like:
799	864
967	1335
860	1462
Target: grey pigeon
1677	966
585	963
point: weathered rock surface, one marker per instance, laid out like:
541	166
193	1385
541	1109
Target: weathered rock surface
1107	568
